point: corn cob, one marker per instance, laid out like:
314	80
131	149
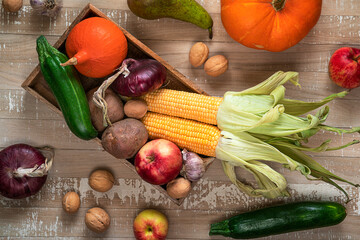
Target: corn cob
194	136
184	104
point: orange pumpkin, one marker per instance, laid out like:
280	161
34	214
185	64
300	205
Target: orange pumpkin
273	25
96	46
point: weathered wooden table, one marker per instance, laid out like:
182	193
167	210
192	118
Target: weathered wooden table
24	119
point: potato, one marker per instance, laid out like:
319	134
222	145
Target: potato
135	108
115	108
124	138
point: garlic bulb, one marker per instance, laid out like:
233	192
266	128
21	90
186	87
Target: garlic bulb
194	166
47	7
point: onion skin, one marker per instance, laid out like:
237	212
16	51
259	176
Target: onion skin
145	75
13	157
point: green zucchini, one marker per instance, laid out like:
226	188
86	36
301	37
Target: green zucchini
280	219
67	89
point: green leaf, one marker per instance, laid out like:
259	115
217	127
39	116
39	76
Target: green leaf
297	107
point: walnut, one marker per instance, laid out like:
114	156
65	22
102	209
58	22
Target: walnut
97	220
101	180
216	65
12	5
199	52
71	202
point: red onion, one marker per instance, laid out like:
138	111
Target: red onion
134	78
139	77
23	171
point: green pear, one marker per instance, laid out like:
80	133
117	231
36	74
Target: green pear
184	10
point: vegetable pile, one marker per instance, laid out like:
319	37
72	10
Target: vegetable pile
257	124
243	129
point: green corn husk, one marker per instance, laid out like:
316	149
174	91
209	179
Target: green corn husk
259	124
242	149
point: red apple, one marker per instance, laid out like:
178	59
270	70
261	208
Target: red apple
344	67
150	224
158	161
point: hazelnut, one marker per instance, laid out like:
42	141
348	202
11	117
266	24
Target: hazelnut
71	202
97	220
216	65
101	180
199	52
178	188
135	108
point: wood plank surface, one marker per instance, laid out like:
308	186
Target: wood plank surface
25	119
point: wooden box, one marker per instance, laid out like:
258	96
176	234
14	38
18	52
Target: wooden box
37	86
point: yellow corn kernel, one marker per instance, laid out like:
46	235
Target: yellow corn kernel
184	104
194	136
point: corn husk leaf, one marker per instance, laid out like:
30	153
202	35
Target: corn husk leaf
277	79
297	107
339	130
243	150
297	144
241	112
229	170
317	171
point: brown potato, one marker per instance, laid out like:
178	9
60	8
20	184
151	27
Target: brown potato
124	138
115	109
135	108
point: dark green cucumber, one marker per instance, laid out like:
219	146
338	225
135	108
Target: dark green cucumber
280	219
67	89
